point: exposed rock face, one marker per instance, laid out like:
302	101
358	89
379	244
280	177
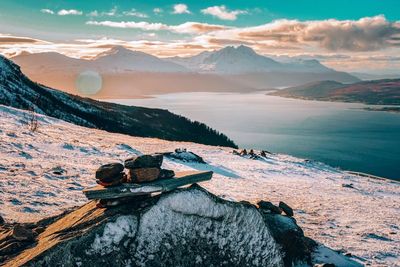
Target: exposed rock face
186	227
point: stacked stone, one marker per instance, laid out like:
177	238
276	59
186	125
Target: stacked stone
146	168
110	174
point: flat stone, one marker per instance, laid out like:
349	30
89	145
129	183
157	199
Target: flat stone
22	233
166	174
286	208
266	205
109	171
144	161
144	174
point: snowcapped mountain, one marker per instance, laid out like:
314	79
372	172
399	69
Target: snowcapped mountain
243	59
120	59
132	74
18	91
115	60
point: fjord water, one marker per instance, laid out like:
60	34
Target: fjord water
339	134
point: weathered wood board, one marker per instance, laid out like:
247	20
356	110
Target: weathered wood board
162	185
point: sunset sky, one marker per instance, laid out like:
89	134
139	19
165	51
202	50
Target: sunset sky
347	35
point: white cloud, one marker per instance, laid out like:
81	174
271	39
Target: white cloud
143	25
134	13
47	11
187	27
158	10
111	13
365	34
93	13
181	9
222	12
65	12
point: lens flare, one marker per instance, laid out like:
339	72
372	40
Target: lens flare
89	82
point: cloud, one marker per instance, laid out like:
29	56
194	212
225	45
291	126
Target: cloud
222	12
187	27
365	34
111	13
8	39
181	9
134	13
47	11
65	12
143	25
93	13
158	10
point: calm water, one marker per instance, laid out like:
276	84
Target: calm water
340	134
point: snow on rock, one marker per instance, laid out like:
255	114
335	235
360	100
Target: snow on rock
346	219
114	232
194	222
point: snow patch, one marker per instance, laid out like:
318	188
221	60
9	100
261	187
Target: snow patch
114	232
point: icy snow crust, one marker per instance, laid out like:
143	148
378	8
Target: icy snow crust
43	173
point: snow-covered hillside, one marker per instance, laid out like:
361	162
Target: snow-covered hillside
43	173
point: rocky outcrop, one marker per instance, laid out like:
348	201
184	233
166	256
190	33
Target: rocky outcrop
186	227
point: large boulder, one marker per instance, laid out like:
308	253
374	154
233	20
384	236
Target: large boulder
185	227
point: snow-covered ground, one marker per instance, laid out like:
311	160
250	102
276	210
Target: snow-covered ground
43	173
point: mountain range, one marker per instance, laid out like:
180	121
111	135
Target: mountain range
242	60
130	74
377	92
17	90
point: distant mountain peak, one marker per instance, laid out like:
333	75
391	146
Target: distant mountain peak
115	50
238	50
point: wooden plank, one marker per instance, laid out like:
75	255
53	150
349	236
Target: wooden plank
162	185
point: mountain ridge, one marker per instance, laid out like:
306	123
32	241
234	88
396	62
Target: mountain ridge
377	92
133	74
19	91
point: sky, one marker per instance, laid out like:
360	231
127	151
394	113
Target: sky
354	35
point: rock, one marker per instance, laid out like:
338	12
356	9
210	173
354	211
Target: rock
290	237
144	174
325	265
175	229
22	233
268	206
144	161
286	208
112	180
2	221
166	174
235	152
348	185
185	156
108	172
